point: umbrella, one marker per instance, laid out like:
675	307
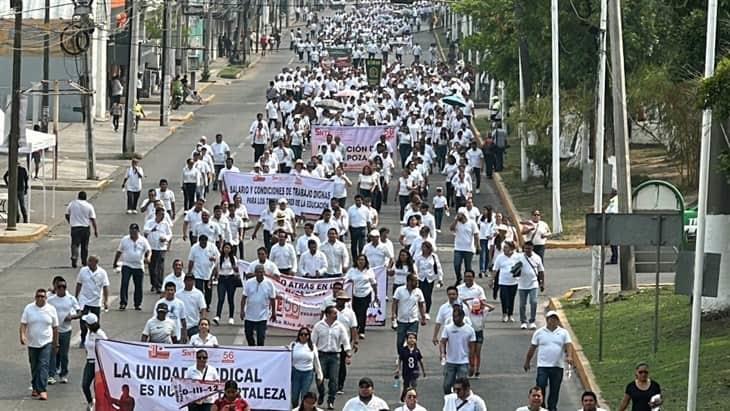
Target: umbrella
330	104
454	100
347	93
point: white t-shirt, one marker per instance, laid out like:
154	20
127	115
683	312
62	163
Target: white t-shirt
362	281
40	322
539	233
80	213
179	281
92	286
133	251
550	346
457	345
474	297
194	301
445	314
258	296
160	331
201	258
176	312
90	343
359	216
134	179
65	306
464	236
167	197
439	201
375	404
530	267
503	266
210	341
377	255
474	157
408	303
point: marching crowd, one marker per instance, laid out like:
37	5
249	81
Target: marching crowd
441	162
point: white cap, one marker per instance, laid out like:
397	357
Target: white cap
374	233
90	318
551	313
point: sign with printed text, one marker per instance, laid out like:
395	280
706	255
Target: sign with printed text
306	195
359	142
141	376
299	299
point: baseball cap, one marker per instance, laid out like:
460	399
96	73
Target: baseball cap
365	381
90	318
283	201
342	295
134	226
551	313
162	307
374	233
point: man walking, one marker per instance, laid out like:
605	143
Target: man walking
67	309
160	329
359	218
531	279
134	251
39	331
331	338
408	307
534	400
551	342
366	399
22	190
92	292
80	215
259	297
159	233
463	399
458	342
220	151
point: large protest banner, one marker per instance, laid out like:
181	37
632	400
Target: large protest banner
359	142
299	299
143	375
306	195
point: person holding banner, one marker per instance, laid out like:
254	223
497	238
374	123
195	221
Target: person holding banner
259	297
305	365
201	371
362	280
95	333
312	263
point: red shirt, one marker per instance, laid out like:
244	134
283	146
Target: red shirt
239	404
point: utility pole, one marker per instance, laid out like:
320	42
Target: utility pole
621	140
165	86
129	120
207	41
524	170
89	98
15	120
244	40
557	221
56	110
46	68
598	155
258	24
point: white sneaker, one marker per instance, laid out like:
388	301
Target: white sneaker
216	320
129	211
438	230
523	326
511	319
51	380
428	317
231	321
477	191
135	211
64	380
533	326
504	318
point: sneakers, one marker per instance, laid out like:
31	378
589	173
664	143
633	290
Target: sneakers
51	380
511	319
231	321
330	405
362	336
428	317
533	326
476	375
523	326
478	191
340	391
216	320
64	380
129	211
504	318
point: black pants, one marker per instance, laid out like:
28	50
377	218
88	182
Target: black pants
157	267
204	286
404	150
343	370
499	159
427	290
240	249
267	241
87	381
507	295
357	240
360	306
539	249
403	200
115	122
449	194
82	324
189	195
80	240
136	274
226	290
477	177
258	150
255	327
200	407
490	161
218	168
132	199
459	202
22	208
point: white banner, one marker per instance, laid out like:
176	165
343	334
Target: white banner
188	391
359	142
306	195
141	374
299	299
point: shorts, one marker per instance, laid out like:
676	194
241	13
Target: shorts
480	336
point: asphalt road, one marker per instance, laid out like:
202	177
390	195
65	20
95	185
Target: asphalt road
503	384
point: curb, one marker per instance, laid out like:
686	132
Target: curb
582	365
12	237
566	245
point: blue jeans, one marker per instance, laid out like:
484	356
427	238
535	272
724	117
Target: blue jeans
300	383
451	373
438	214
483	255
553	377
402	330
40	359
524	295
59	361
330	362
459	258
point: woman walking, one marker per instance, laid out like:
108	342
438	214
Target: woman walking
95	334
305	365
643	393
228	281
486	231
428	268
364	288
507	282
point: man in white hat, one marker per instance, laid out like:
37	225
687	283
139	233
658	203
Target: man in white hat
378	254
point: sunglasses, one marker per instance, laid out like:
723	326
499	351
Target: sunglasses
303	334
60	285
40	296
642	372
202	357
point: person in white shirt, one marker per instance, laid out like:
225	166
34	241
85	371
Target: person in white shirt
473	297
193	216
92	291
408	308
134	252
589	402
364	290
531	279
133	183
457	345
160	329
258	304
536	231
67	309
331	338
228	168
177	276
446	313
466	243
81	216
220	152
167	197
303	241
95	334
534	400
358	216
378	254
39	332
366	399
305	365
312	263
552	342
208	228
475	160
503	276
203	265
283	254
463	398
410	401
204	338
195	305
338	258
175	311
191	179
158	233
202	371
